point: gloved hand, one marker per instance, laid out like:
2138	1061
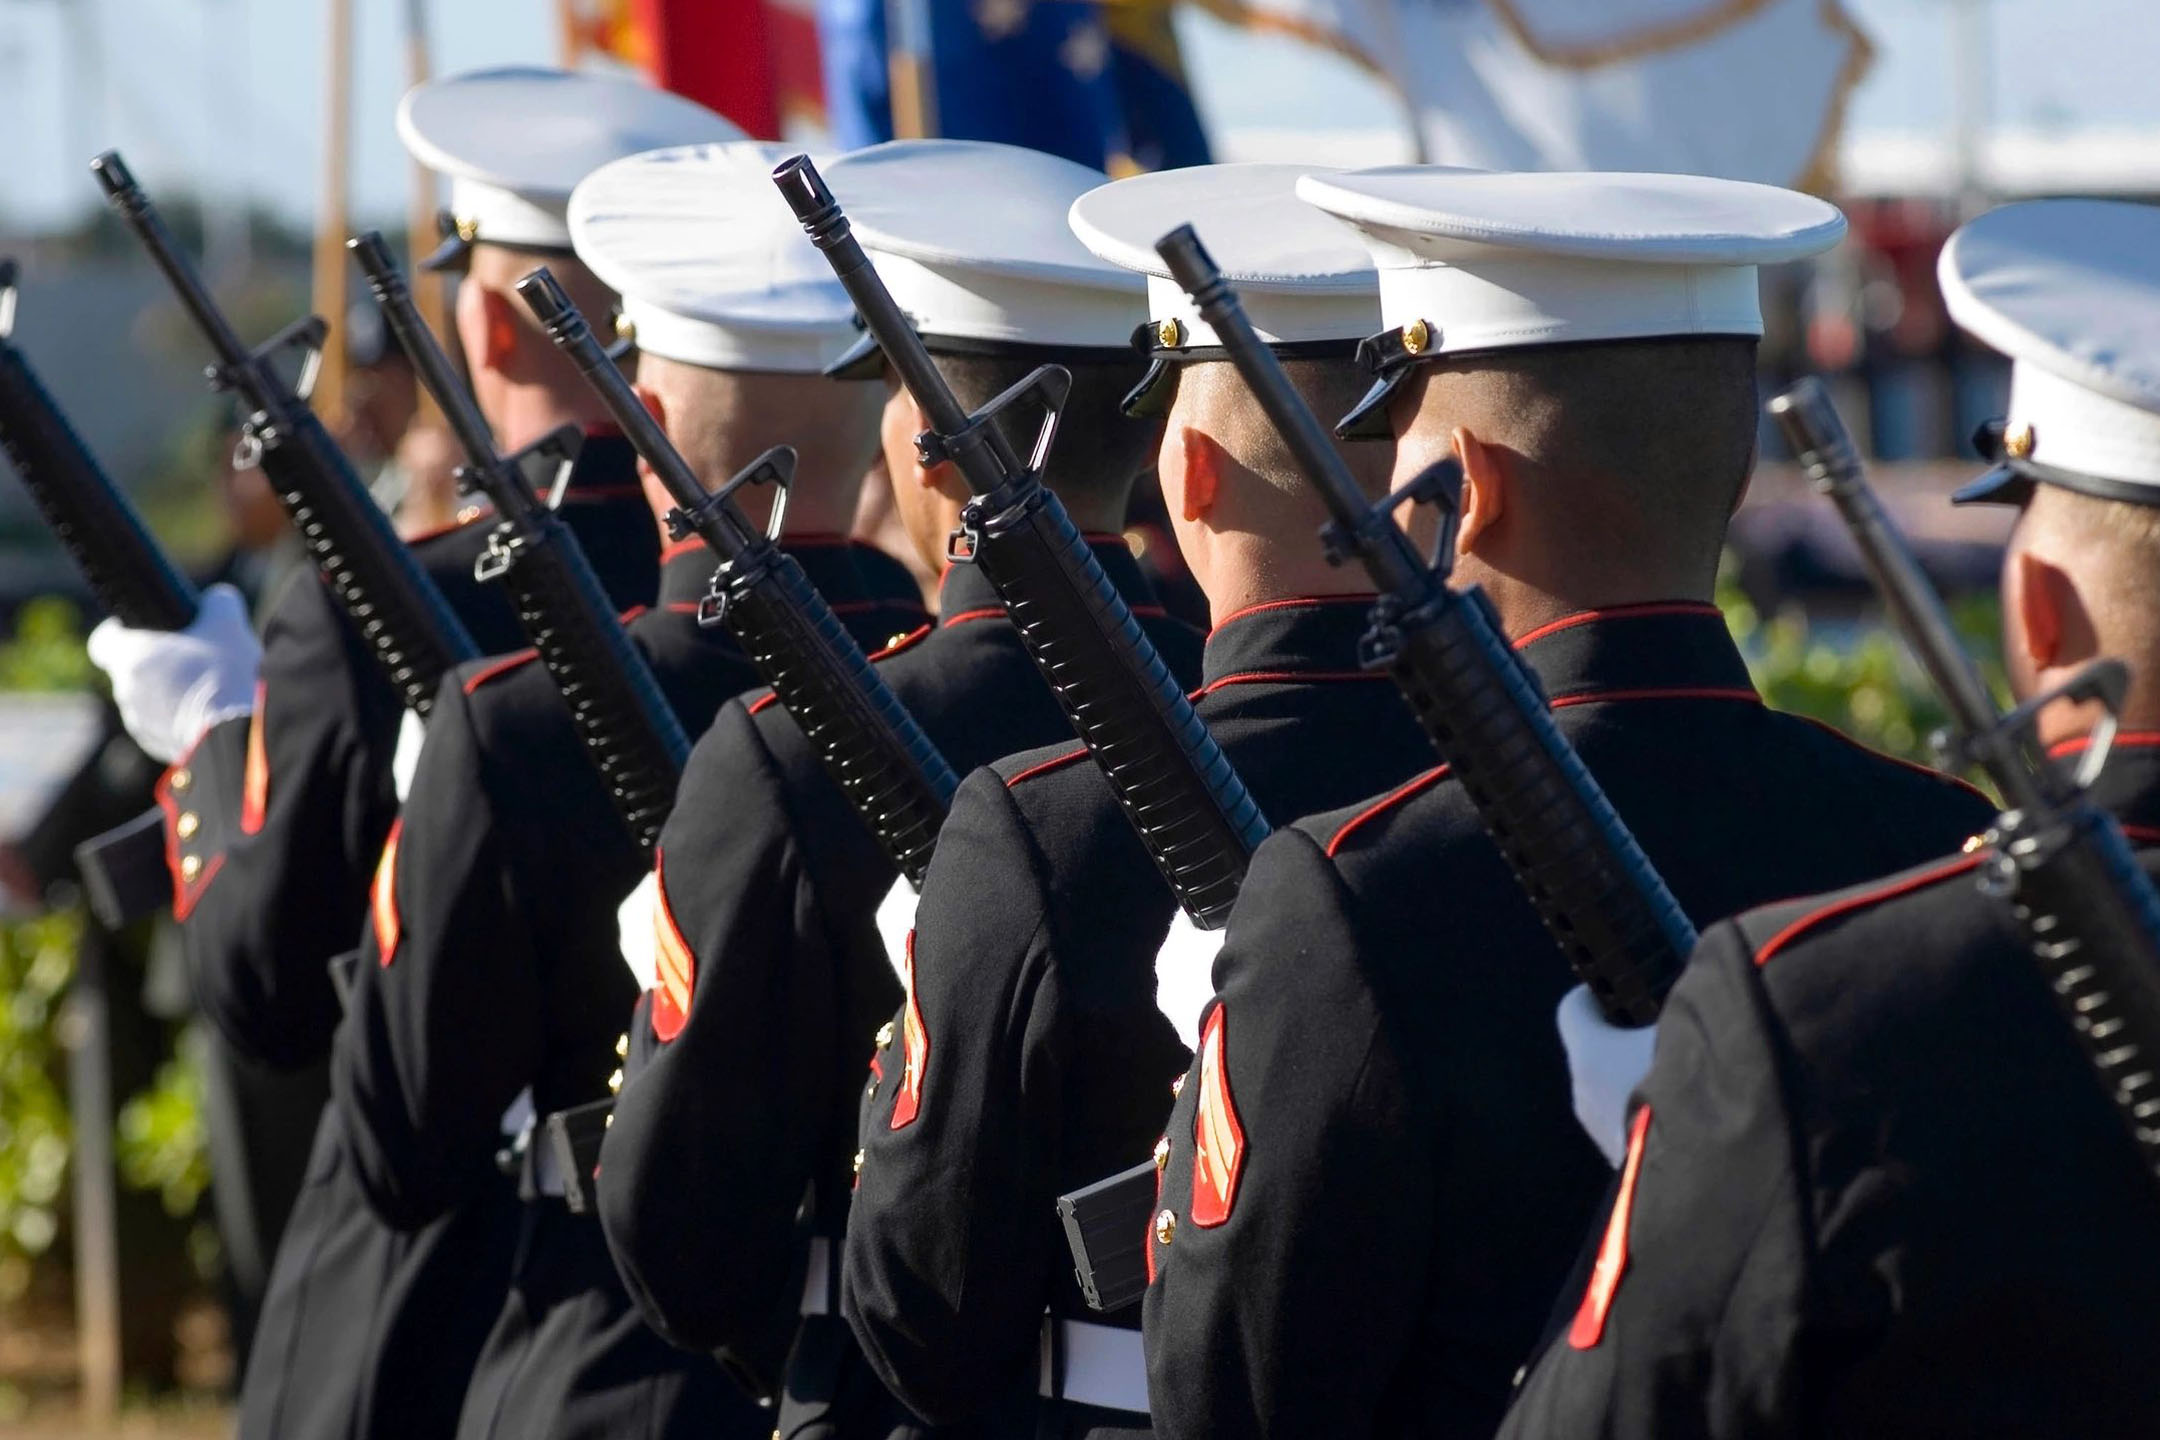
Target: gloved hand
1605	1063
172	686
405	760
635	919
1185	975
895	922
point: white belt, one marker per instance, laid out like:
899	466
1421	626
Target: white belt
1105	1366
817	1279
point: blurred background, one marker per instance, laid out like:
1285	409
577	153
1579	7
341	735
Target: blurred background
129	1261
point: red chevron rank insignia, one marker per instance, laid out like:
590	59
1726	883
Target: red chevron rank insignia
382	896
915	1051
1218	1137
674	962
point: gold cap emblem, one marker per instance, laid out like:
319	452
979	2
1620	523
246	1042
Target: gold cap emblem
625	328
1415	337
468	229
1169	334
2019	443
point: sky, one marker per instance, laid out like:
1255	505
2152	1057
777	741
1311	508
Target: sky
225	96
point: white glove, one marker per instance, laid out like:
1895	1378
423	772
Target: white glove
636	918
405	760
1185	976
895	920
1605	1063
173	685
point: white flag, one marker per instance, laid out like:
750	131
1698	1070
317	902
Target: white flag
1741	89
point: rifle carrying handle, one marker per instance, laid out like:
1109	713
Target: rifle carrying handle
628	727
91	516
890	770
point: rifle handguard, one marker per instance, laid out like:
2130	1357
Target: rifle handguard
92	518
1198	823
402	617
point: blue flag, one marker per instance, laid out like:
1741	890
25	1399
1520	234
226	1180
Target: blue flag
1098	84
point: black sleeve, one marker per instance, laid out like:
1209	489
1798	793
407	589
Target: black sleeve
717	1133
1691	1324
1316	1183
948	1257
305	800
446	1023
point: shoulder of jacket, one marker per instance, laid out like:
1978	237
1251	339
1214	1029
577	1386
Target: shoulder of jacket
478	674
1032	767
1363	824
1771	930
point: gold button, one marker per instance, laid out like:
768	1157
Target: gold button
1169	334
1973	843
186	826
1162	1152
884	1035
469	514
1165	1227
2020	443
858	1162
1177	1087
181	779
1415	337
626	329
614	1083
607	1121
622	1047
190	866
897	637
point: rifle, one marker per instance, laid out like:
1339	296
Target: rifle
123	871
868	742
1171	779
628	727
2085	907
1602	901
93	519
413	633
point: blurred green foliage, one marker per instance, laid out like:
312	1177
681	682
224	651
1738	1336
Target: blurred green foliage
161	1143
1858	676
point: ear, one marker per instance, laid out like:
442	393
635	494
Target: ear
499	329
1190	465
1484	491
2038	597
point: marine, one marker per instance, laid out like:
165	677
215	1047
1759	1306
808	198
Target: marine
276	819
489	982
1373	1185
1870	1184
1030	1057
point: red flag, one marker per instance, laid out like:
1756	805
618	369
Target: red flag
754	61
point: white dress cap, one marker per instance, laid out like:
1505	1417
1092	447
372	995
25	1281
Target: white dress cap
712	266
971	239
2070	291
516	141
1301	276
1506	261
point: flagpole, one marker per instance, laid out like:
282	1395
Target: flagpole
429	293
331	284
908	68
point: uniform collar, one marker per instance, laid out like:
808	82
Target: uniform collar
965	593
605	468
1311	637
2129	787
830	562
1669	650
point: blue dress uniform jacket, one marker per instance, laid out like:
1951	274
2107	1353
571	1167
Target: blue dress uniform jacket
1375	1182
290	809
1030	1058
772	884
283	817
1875	1190
491	967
